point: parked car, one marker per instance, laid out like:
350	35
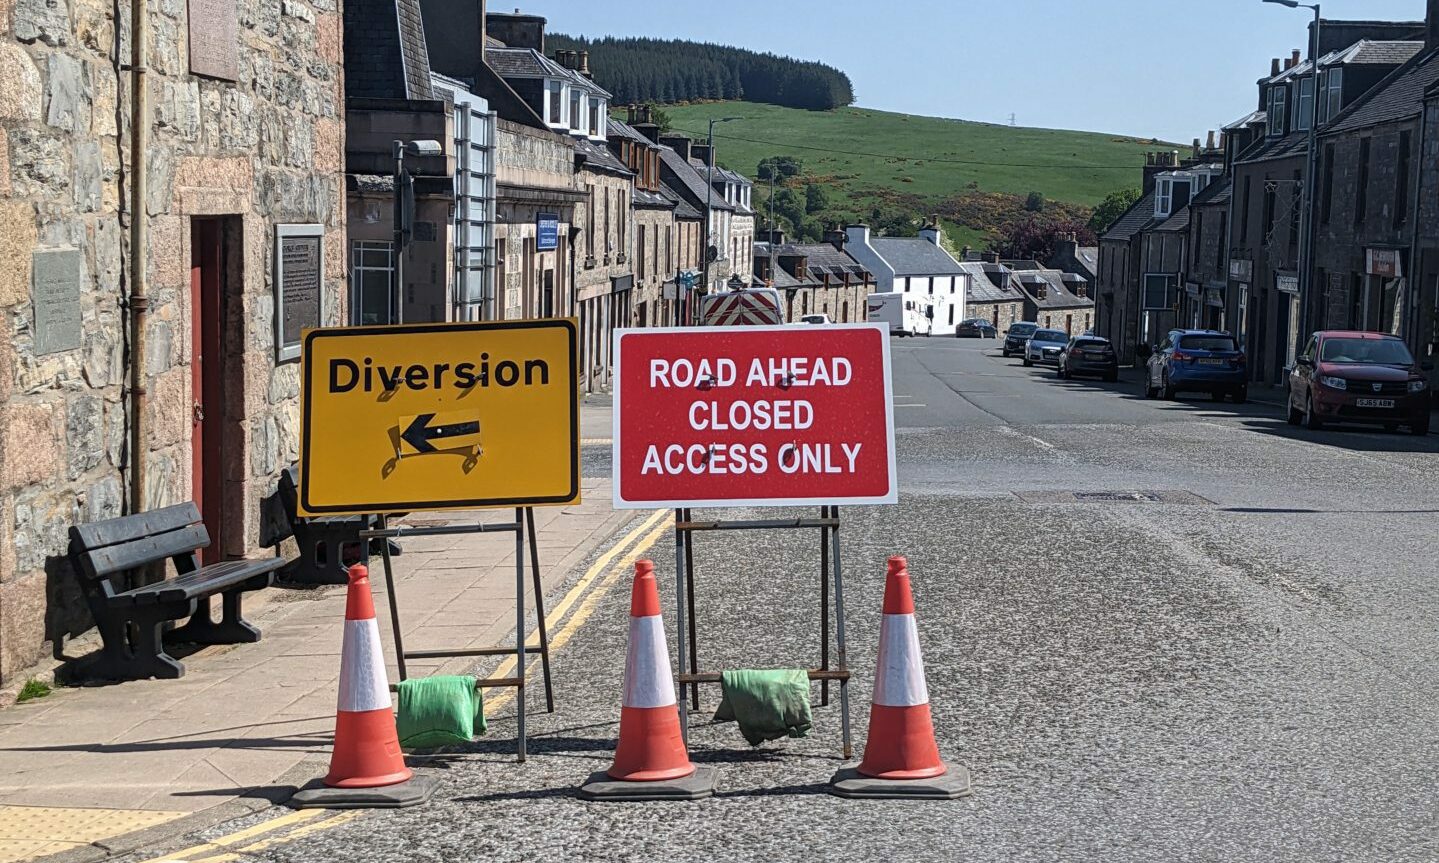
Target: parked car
1198	361
1089	355
1016	336
1358	377
976	328
1044	346
815	319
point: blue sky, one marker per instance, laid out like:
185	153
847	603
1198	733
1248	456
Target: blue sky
1160	68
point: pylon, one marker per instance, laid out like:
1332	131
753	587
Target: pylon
651	762
901	758
367	768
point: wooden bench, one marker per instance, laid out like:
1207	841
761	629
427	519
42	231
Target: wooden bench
116	562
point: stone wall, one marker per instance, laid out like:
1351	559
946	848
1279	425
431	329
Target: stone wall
654	264
264	149
606	249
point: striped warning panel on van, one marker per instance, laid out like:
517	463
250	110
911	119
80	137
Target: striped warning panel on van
740	310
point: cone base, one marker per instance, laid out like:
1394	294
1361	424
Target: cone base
952	784
696	786
901	744
651	747
412	793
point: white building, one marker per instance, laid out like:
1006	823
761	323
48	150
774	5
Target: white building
927	279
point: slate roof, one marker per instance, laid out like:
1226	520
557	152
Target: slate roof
1250	119
651	200
1176	222
983	290
1218	192
529	63
599	158
688	182
1134	220
625	130
1089	257
385	52
683	209
820	259
1374	52
1058	295
1398	97
914	256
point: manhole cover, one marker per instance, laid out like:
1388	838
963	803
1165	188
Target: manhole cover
1182	498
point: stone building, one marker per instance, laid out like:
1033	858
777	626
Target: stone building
814	278
655	302
245	134
992	294
604	281
1207	274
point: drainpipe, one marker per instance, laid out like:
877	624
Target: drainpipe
139	247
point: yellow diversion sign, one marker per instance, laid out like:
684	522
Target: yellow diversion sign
439	416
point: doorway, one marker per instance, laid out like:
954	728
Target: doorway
207	369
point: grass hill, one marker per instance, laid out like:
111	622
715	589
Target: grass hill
978	176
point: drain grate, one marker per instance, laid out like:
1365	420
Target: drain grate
1181	498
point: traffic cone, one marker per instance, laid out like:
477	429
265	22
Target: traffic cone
651	762
901	758
367	746
367	769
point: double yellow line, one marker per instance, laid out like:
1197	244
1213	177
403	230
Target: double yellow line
583	598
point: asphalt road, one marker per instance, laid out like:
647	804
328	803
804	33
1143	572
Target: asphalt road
1242	669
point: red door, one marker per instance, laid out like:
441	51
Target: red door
206	278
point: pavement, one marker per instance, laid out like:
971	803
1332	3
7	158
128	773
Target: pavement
1152	631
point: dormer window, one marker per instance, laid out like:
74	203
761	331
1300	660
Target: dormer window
555	97
1331	94
1278	109
1163	199
597	114
577	115
1304	108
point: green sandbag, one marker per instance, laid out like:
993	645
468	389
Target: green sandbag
768	704
439	711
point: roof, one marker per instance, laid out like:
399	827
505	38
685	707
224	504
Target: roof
1374	52
1217	192
983	290
1058	295
599	158
821	259
1399	96
914	256
385	50
1250	119
1134	220
1268	149
625	130
1089	257
683	209
687	180
1176	222
529	63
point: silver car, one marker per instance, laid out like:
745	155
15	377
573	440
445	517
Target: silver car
1044	346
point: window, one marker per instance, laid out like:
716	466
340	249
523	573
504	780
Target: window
1304	107
372	276
1271	200
640	253
1163	198
1326	204
1361	193
1278	108
1331	95
1159	292
1244	211
596	113
1401	180
577	117
554	95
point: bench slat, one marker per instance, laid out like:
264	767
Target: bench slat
130	527
136	553
206	581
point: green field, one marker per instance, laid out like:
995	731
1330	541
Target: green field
928	157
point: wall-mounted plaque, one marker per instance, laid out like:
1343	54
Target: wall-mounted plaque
214	39
55	296
299	285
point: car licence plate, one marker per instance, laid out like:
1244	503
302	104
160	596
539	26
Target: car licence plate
1213	362
1375	403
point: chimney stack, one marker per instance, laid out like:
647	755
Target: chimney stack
679	143
1209	145
1274	67
1431	39
1294	60
583	66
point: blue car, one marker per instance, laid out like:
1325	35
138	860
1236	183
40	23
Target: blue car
1198	361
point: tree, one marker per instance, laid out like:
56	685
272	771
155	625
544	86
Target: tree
1114	205
660	117
782	167
816	198
1035	202
1035	238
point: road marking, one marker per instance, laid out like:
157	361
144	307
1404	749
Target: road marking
911	406
242	852
586	608
1014	432
227	842
595	441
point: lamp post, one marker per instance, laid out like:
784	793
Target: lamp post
709	198
404	214
1311	179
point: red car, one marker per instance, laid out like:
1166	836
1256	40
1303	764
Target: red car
1346	376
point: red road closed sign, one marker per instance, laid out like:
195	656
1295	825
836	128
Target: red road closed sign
753	416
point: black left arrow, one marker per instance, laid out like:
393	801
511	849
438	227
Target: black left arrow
420	433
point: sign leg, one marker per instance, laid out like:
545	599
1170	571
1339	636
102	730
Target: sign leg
520	632
824	607
680	544
540	609
839	633
394	607
690	599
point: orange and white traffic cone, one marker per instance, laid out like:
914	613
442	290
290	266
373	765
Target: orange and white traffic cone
901	758
367	768
651	762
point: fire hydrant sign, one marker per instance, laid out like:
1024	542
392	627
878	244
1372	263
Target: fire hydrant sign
753	416
439	416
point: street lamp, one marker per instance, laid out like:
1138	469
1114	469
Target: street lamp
1311	179
709	197
404	214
